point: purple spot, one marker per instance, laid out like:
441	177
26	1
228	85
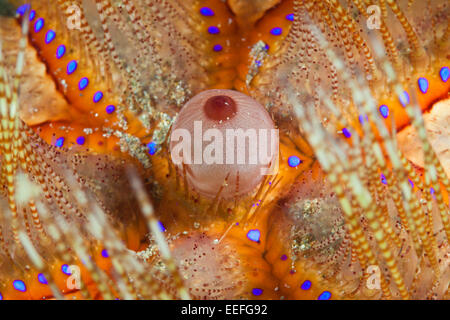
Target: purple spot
213	30
42	279
294	161
207	12
81	140
404	98
276	31
98	96
65	269
326	295
423	84
444	73
50	36
346	133
384	110
161	226
83	83
363	118
59	142
254	235
39	24
257	291
110	109
105	253
284	257
60	51
383	179
23	8
19	285
152	148
306	285
217	48
72	66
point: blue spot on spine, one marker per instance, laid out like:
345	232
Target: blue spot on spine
32	15
50	36
19	285
423	84
363	118
105	253
39	24
60	51
59	142
213	30
383	179
83	83
65	269
257	291
404	98
384	110
306	285
81	140
346	133
276	31
290	17
23	8
294	161
161	226
42	279
254	235
110	109
71	67
444	73
326	295
98	96
207	12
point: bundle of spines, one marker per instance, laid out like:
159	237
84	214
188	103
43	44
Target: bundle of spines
48	202
353	170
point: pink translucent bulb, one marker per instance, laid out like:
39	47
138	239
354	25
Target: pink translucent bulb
225	139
